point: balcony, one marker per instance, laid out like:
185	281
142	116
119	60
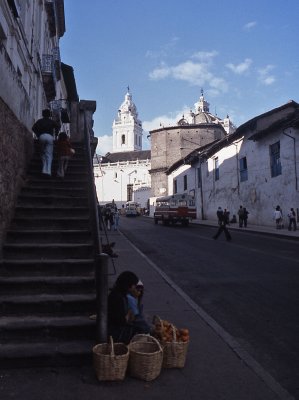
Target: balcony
48	76
60	108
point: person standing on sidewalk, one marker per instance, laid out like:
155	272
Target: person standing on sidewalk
292	220
45	129
222	220
245	216
241	216
278	217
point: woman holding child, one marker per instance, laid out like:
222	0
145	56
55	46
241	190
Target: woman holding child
125	318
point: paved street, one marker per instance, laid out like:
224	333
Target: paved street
249	286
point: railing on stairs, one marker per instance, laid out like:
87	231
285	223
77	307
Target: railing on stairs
100	258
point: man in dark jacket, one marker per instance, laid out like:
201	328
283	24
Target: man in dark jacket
45	129
222	221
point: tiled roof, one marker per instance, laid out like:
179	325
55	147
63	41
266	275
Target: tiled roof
127	156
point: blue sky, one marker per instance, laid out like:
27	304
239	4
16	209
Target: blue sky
244	55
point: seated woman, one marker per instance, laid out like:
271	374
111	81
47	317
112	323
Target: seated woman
120	318
135	305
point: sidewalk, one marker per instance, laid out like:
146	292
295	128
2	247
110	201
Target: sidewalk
269	230
217	368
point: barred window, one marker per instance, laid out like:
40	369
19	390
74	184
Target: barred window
243	169
275	159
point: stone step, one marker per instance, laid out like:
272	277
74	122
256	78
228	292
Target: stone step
50	210
45	328
27	200
47	304
23	285
46	267
19	251
44	354
69	181
50	223
63	192
48	236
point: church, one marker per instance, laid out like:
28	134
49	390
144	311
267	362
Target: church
123	175
169	144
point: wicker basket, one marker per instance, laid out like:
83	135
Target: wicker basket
110	361
146	357
175	352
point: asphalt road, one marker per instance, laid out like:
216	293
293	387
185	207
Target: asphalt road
250	286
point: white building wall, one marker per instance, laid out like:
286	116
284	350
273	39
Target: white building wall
260	193
111	182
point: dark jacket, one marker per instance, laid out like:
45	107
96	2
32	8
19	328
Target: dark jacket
117	308
45	125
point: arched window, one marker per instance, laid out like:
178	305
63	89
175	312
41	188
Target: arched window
123	139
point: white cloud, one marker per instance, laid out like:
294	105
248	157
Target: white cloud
265	76
169	119
160	72
195	73
164	50
104	145
240	68
249	25
205	56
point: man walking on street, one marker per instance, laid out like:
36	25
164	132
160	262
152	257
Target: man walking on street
223	221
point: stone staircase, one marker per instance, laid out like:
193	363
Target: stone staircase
47	288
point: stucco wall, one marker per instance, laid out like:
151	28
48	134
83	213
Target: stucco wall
16	148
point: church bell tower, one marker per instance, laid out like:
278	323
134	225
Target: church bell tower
127	128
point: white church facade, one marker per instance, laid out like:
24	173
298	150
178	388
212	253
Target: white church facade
123	175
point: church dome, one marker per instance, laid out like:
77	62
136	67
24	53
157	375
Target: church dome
203	118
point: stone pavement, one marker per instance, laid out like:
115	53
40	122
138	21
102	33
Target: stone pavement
217	367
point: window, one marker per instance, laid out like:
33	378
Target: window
175	186
275	159
123	139
243	169
216	168
185	182
129	192
199	177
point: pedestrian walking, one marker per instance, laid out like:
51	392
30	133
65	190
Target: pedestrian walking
222	220
45	129
64	151
116	219
292	220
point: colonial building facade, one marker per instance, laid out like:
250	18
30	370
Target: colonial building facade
123	175
256	167
170	144
33	78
